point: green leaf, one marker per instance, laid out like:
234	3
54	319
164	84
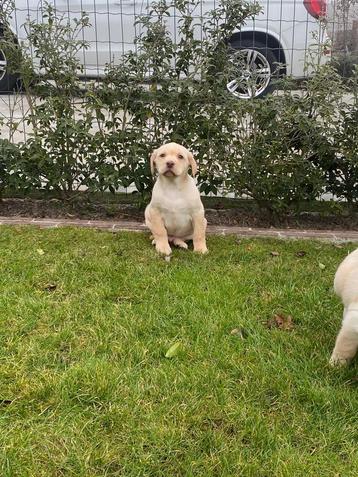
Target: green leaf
173	350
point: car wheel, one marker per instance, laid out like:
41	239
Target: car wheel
7	80
254	66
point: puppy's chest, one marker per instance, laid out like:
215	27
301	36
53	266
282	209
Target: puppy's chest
176	214
173	206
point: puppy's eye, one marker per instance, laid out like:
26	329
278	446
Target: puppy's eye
162	154
180	156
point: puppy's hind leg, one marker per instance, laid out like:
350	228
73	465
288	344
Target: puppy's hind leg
180	243
347	340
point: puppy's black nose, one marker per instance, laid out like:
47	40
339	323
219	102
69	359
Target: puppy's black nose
170	164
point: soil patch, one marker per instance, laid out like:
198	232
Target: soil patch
243	215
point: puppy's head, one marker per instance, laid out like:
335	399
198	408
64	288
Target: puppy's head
172	160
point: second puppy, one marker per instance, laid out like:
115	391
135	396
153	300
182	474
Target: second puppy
175	213
346	287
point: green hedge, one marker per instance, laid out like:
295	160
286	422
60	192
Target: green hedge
280	150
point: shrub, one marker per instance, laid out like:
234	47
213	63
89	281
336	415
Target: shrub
273	164
283	158
342	170
280	151
174	92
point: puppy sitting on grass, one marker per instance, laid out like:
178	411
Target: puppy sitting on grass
346	287
175	213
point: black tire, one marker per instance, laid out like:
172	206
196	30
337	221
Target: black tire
8	81
270	57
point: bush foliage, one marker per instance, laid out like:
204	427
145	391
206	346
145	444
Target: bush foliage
280	150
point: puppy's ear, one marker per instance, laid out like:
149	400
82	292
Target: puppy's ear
193	164
152	163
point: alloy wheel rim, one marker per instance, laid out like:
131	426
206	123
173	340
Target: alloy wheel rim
251	74
3	64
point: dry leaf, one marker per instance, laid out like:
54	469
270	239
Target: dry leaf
283	322
40	251
301	253
240	332
50	287
274	254
5	402
322	266
266	296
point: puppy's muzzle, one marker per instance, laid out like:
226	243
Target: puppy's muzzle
169	172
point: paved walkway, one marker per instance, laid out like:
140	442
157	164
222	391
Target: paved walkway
116	226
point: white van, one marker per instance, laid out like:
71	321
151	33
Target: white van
282	33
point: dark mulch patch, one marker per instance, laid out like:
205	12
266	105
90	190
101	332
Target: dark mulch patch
217	213
76	209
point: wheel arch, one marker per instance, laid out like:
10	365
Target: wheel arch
266	39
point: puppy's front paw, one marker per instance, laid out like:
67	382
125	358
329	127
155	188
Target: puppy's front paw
338	361
163	248
200	249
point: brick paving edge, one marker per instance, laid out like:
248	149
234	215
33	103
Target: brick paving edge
117	226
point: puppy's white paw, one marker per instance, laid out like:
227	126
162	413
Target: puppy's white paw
180	243
163	249
338	361
201	249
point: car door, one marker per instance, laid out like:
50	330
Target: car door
111	32
103	35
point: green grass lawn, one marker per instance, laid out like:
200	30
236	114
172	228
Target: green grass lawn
85	387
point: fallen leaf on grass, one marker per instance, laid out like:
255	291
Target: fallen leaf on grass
322	266
120	299
50	287
283	322
266	296
301	253
173	350
40	251
5	402
240	332
274	254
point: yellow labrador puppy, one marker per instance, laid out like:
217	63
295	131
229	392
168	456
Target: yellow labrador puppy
346	287
175	213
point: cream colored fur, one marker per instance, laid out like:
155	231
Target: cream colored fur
175	213
346	287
